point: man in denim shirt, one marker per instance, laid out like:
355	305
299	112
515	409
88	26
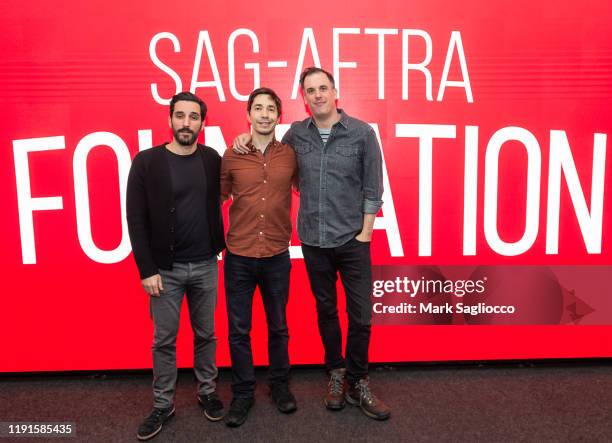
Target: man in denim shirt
340	167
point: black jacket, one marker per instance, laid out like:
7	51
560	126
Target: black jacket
150	208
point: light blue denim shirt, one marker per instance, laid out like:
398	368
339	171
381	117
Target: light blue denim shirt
339	182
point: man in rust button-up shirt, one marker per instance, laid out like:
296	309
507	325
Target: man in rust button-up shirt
260	184
257	253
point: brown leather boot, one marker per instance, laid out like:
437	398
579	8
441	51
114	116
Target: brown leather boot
336	388
360	395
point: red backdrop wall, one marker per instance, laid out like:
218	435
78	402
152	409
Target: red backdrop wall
513	98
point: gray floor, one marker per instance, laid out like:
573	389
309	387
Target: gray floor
515	402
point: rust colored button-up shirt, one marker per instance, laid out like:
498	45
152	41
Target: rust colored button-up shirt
260	185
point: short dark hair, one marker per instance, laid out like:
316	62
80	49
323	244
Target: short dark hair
188	97
266	91
314	70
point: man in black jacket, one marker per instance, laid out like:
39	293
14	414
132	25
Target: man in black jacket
176	230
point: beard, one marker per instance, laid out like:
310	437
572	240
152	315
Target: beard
179	136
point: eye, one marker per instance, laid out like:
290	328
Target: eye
194	116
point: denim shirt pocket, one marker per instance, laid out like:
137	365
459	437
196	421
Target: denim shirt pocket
302	149
348	160
306	159
350	151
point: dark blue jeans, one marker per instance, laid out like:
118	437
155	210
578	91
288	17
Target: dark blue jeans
352	262
242	275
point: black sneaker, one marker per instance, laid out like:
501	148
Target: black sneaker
284	399
151	425
212	405
238	411
360	395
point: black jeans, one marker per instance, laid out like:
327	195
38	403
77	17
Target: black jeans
352	262
242	275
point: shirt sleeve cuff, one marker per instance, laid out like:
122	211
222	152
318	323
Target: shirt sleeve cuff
371	206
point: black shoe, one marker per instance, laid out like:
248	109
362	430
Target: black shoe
151	426
360	395
212	405
238	411
284	399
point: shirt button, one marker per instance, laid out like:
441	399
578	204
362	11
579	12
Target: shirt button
265	181
172	210
260	233
263	198
265	165
261	215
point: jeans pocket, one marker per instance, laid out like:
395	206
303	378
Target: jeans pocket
365	243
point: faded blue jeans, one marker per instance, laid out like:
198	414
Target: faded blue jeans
199	282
